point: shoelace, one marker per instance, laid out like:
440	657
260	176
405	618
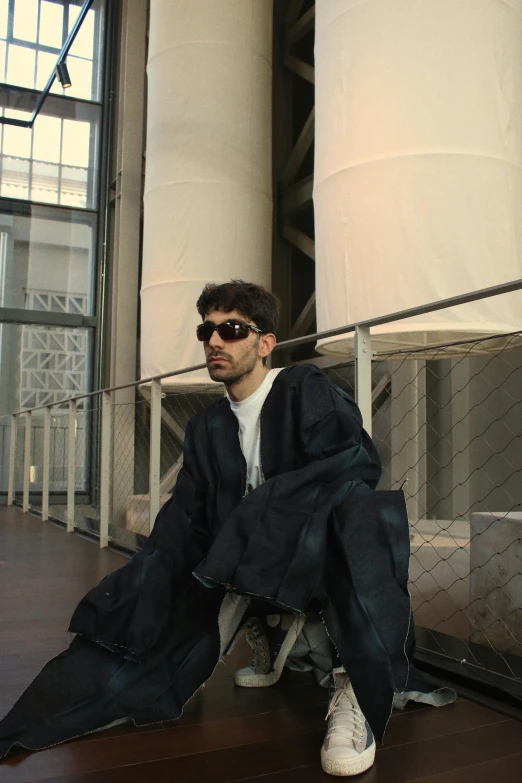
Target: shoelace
346	717
255	639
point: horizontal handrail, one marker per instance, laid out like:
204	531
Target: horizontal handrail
441	304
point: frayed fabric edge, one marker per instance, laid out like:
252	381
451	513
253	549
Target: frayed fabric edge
437	698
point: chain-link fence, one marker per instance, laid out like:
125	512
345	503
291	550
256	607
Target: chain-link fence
5	443
447	423
19	459
36	464
448	426
59	430
131	511
129	524
86	467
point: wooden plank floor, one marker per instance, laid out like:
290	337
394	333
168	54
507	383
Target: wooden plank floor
226	733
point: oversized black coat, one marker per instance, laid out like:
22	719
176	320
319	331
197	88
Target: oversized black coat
315	535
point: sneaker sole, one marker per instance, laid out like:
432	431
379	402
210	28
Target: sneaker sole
351	766
256	680
267	680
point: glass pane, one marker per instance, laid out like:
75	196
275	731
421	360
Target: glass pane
46	138
51	24
4	13
83	45
45	183
26	20
2	60
84	61
75	143
80	72
42	365
45	365
45	65
20	66
69	143
17	141
15	178
74	12
74	186
47	257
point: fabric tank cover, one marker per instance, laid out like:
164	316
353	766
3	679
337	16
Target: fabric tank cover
418	166
208	180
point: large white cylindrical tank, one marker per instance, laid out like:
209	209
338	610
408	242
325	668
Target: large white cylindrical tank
418	165
208	181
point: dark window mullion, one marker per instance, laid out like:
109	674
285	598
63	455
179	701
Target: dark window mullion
98	74
10	21
10	27
65	22
10	205
37	47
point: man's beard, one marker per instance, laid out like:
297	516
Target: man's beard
232	371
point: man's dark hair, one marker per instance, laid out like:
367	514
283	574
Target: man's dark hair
251	300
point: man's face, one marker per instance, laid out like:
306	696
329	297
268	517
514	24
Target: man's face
228	361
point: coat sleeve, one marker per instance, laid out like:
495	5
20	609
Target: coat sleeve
273	543
131	607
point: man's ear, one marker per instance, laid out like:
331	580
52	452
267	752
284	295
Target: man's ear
266	345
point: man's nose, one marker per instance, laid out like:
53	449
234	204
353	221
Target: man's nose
215	341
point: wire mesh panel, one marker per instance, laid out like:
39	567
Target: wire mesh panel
128	524
130	521
177	409
86	467
58	464
36	466
5	443
19	460
448	425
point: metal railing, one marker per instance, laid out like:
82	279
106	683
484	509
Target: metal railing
445	419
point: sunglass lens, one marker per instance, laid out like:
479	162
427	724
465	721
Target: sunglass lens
204	332
227	331
230	330
233	330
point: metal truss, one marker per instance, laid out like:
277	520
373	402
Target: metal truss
294	174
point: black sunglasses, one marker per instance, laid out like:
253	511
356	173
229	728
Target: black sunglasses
229	330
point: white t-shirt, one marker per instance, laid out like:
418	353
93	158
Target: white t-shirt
248	414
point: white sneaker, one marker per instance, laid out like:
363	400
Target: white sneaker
349	746
271	640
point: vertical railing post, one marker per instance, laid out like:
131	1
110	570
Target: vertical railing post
46	462
12	462
71	465
105	466
27	461
155	451
363	375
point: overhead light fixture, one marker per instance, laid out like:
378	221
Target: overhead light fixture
63	75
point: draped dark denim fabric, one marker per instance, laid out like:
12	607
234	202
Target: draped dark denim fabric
316	531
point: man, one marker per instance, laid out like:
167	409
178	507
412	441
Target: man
274	518
236	349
